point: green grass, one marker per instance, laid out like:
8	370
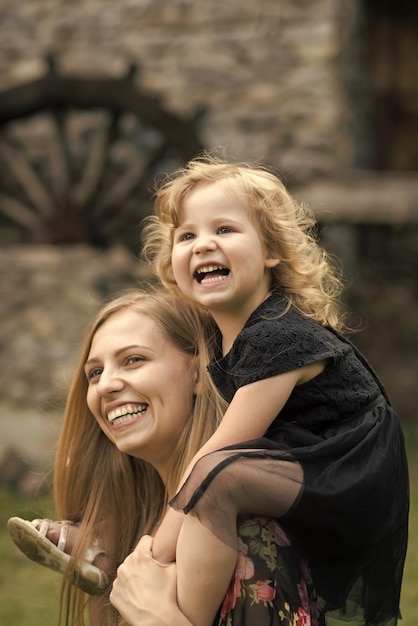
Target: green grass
29	593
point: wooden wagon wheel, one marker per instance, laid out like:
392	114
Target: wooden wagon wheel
79	158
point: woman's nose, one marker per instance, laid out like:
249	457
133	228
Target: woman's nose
109	382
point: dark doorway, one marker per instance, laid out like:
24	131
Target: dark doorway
391	38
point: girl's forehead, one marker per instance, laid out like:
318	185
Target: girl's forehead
214	190
226	184
225	197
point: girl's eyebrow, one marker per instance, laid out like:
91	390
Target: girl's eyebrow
181	224
216	220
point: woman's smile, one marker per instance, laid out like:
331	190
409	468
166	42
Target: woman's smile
125	412
126	415
139	389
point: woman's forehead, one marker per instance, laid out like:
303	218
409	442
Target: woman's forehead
128	325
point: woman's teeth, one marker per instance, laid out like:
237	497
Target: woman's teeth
124	413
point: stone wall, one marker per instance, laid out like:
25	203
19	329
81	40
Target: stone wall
47	296
49	293
281	81
273	73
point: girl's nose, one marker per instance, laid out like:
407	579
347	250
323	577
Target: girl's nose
204	243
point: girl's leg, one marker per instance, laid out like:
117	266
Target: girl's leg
207	546
205	566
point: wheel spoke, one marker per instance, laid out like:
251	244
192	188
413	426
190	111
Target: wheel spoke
27	177
85	191
59	159
18	212
135	178
120	190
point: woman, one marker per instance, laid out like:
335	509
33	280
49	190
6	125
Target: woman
141	404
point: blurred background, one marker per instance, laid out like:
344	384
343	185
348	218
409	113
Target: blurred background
98	100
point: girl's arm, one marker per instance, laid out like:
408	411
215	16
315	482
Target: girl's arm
252	410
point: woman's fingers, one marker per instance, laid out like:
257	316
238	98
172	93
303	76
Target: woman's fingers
145	591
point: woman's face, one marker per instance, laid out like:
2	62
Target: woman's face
140	387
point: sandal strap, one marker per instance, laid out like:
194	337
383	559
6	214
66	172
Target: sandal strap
42	525
96	547
62	540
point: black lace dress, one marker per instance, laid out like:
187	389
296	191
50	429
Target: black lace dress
349	522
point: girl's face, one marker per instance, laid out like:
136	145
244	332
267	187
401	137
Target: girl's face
140	387
219	258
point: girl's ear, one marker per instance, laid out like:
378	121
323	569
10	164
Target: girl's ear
271	262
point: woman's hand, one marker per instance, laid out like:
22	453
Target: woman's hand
145	591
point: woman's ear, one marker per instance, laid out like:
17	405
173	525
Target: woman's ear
197	389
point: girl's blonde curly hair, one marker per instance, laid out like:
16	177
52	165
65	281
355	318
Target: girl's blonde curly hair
306	275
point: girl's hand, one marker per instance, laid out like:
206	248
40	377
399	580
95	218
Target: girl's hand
145	591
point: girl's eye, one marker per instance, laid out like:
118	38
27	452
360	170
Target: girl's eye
224	230
186	237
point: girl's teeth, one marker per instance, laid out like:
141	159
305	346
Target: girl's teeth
212	279
209	268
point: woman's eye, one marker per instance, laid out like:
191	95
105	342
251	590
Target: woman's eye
94	373
136	358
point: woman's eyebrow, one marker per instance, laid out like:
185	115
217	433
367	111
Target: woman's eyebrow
95	359
90	361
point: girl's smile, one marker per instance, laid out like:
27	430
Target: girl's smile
219	258
211	273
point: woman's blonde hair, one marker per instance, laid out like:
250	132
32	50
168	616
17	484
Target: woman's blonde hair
105	490
305	274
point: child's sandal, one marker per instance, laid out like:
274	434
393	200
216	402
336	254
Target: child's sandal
31	539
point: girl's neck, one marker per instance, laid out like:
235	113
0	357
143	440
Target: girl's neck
230	328
230	323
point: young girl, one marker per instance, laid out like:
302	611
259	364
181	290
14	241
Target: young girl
309	436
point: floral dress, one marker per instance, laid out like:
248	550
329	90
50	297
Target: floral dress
349	521
271	585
